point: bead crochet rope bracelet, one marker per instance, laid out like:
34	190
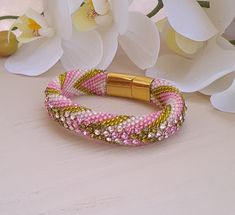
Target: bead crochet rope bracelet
112	128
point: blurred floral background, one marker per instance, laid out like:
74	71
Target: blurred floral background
189	42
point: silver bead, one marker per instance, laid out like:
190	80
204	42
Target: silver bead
158	134
72	117
108	139
119	128
66	114
110	129
97	132
57	116
151	135
117	140
162	126
106	133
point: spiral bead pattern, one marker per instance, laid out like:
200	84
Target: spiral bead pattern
112	128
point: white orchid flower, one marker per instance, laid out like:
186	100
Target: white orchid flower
136	34
200	55
46	38
32	26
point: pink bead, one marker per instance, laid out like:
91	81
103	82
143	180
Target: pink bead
95	83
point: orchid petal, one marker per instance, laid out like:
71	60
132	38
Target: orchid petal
141	42
130	2
187	45
120	14
221	13
105	20
225	44
35	58
110	46
74	5
161	24
170	37
192	75
101	6
224	101
230	31
84	50
46	32
21	23
189	19
26	37
57	13
143	6
80	20
38	18
219	85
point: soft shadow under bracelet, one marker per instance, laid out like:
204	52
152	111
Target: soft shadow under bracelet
112	128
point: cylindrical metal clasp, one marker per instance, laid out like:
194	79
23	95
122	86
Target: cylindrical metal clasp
130	86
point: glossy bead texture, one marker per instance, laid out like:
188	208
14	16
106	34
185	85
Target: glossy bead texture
8	43
118	129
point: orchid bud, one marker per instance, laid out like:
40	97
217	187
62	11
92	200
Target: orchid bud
8	43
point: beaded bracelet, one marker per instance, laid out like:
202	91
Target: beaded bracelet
112	128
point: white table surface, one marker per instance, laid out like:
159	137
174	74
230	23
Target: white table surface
45	170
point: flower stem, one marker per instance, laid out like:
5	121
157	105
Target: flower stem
232	42
205	4
156	9
8	17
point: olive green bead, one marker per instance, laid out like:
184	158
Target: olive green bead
8	43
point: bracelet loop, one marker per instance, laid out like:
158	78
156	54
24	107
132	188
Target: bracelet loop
112	128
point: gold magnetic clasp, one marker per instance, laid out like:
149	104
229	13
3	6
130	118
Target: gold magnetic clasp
129	86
